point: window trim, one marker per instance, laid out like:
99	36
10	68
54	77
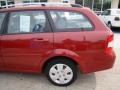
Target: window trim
8	19
70	29
3	23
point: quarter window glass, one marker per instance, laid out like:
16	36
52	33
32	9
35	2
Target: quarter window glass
27	21
2	16
70	20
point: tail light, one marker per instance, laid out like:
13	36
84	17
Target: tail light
117	18
110	41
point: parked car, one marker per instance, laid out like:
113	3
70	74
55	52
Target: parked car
111	17
43	39
98	12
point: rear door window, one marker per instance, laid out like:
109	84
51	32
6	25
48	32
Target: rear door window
2	16
67	20
27	22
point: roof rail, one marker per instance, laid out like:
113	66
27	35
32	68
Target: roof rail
42	4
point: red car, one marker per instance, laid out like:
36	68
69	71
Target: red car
56	40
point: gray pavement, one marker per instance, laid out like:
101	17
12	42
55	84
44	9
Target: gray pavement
102	80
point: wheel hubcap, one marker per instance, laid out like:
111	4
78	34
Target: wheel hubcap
61	73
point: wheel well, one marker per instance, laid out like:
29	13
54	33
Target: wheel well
53	58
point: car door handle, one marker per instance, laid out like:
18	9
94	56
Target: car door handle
38	39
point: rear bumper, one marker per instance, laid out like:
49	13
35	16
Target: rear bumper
99	61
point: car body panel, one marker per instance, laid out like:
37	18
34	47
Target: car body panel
111	18
89	49
1	59
25	51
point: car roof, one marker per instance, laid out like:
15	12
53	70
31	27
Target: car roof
42	6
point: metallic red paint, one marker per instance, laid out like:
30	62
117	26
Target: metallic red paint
29	52
25	51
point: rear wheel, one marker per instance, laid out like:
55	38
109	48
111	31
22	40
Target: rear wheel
61	72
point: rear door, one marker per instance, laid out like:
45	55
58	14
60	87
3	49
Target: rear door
27	40
69	30
2	16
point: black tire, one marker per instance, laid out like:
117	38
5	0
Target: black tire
65	62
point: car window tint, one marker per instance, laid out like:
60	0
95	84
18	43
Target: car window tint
2	16
70	20
26	21
106	12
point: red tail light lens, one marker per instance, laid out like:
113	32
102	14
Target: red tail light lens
110	41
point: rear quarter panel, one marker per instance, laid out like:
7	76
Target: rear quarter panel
87	45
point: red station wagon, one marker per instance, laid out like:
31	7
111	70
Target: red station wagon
54	39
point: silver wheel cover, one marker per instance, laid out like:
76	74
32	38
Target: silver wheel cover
61	73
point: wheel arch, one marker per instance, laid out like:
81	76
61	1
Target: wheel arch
55	57
109	22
